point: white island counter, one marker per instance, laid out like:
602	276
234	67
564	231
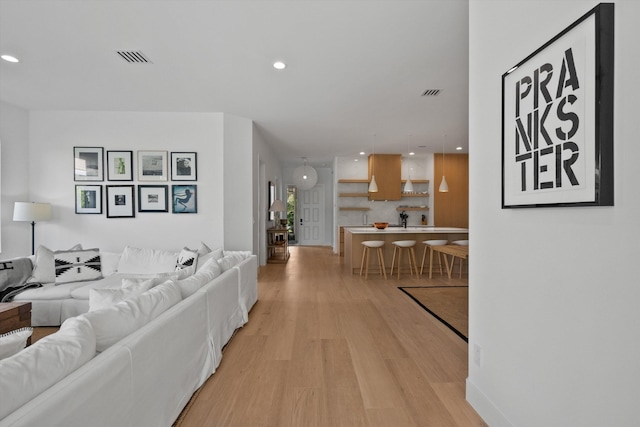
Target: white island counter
354	236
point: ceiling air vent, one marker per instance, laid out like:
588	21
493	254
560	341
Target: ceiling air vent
133	56
431	92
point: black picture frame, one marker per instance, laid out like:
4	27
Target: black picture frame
557	119
184	166
153	198
88	199
88	163
119	165
184	198
121	201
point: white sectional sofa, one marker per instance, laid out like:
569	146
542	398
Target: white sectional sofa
135	362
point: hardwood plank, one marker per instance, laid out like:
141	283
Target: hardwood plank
324	347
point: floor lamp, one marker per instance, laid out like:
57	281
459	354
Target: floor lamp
32	212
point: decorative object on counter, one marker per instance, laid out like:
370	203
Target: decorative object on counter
184	166
88	163
373	187
88	199
120	201
403	218
305	177
424	220
152	166
153	198
444	187
119	165
32	212
381	225
185	198
277	206
408	186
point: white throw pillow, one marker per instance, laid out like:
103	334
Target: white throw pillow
110	262
146	261
203	249
43	265
77	266
41	365
209	271
231	260
12	342
111	324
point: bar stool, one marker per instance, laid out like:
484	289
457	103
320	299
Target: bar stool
399	245
427	248
460	243
371	244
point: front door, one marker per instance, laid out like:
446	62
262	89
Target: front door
311	227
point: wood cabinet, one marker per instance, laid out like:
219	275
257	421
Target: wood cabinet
387	170
451	209
277	246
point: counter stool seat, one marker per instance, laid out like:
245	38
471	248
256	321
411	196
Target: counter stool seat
409	245
427	248
373	244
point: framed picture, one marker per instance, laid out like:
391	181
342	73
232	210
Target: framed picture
152	166
153	198
120	165
184	166
557	119
120	201
88	199
184	198
88	164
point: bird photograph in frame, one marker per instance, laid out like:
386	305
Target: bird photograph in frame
184	199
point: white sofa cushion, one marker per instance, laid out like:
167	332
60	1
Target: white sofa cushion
231	259
140	261
39	366
187	258
14	341
209	271
77	266
113	323
43	265
110	262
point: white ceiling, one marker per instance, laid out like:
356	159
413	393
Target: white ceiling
354	68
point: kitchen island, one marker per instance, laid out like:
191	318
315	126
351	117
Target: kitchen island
354	236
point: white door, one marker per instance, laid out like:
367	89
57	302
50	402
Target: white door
311	225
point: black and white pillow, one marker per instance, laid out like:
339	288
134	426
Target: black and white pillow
76	266
187	258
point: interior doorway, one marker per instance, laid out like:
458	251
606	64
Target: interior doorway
291	213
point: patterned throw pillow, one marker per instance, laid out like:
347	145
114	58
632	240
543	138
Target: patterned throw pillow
187	258
76	266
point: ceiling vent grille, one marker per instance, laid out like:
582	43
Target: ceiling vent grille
431	92
133	56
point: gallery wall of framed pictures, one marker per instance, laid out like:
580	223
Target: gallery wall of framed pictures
91	166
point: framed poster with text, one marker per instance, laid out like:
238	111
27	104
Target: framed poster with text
557	119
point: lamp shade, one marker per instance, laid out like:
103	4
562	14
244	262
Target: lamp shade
31	211
305	177
277	206
444	187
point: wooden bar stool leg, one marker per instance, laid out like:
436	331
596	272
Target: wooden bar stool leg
424	256
364	253
415	264
399	261
393	260
383	270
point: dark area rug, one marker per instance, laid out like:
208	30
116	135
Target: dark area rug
448	304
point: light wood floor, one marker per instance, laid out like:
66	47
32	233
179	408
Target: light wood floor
327	348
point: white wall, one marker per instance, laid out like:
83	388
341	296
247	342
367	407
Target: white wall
14	140
554	292
238	183
53	134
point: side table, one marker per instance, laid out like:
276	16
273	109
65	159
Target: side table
15	315
277	245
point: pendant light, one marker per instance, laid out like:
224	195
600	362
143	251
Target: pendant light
305	177
444	187
408	186
373	187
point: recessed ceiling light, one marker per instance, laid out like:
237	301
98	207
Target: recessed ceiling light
412	153
458	148
355	160
9	58
279	65
362	153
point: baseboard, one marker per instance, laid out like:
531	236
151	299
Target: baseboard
485	408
